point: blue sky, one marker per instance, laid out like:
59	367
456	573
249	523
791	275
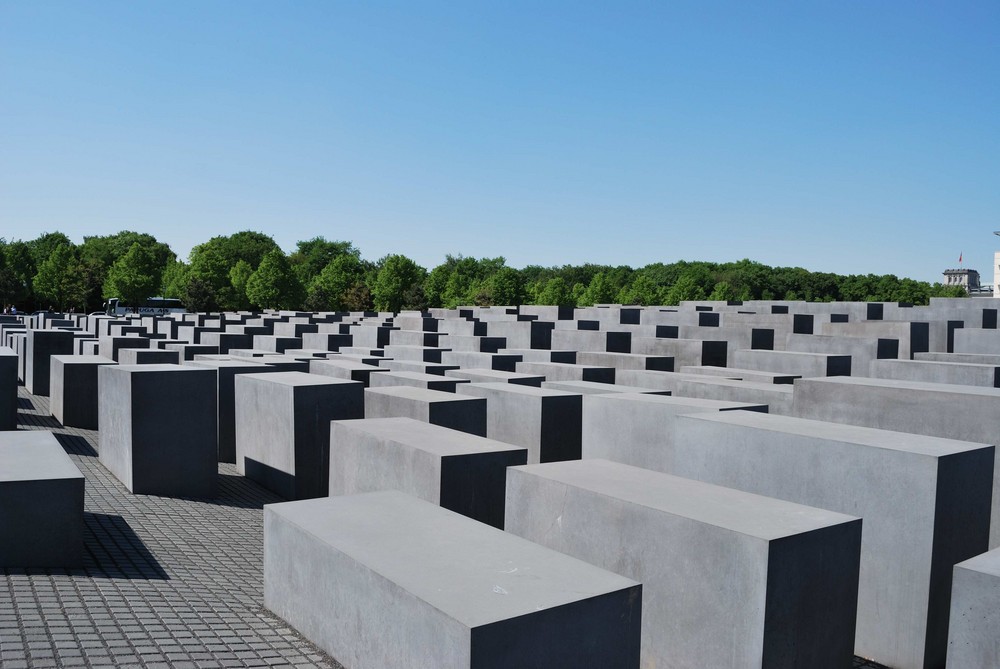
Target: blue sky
852	137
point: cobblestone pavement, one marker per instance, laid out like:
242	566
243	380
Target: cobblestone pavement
166	582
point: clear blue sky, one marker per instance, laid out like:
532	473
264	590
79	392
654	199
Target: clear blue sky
841	136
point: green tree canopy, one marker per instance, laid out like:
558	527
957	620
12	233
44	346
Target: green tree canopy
313	255
134	277
396	276
61	280
273	285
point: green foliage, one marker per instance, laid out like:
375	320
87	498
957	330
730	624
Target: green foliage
239	277
506	287
273	285
212	261
313	255
41	247
641	291
685	288
134	277
722	292
461	280
330	287
198	295
555	292
395	278
175	280
61	279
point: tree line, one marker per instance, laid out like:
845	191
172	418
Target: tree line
248	270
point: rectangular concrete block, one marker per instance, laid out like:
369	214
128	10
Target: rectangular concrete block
959	373
40	345
731	579
417	380
110	345
966	413
41	503
148	356
546	422
8	388
973	638
461	472
637	429
466	414
591	388
480	375
283	428
384	580
225	373
342	368
559	371
793	362
925	503
73	389
135	401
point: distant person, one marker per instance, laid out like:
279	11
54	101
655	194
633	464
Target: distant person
6	310
13	311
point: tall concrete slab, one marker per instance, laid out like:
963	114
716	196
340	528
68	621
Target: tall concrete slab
134	446
8	388
466	414
283	428
40	345
973	640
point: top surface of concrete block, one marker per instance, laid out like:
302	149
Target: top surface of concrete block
987	563
297	379
680	404
849	381
34	455
421	394
512	388
867	436
441	441
84	360
595	388
762	517
471	572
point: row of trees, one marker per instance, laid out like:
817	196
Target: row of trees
248	270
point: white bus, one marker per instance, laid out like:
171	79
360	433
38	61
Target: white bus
153	306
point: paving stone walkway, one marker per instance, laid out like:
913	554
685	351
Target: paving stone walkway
166	582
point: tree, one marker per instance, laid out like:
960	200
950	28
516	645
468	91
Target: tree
61	280
396	275
331	285
41	247
175	280
601	290
213	260
506	287
555	292
312	256
134	277
642	291
686	288
274	285
199	295
239	276
99	253
722	292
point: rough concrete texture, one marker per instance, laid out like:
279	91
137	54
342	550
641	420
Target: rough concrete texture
731	580
925	503
73	389
466	414
158	428
40	345
416	585
41	503
283	428
974	636
459	471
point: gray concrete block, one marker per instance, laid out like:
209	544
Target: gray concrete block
158	433
478	375
459	471
466	414
626	360
559	371
415	366
749	375
110	345
8	388
73	390
730	579
541	355
40	345
41	503
283	428
387	580
147	356
793	362
416	380
777	397
970	340
637	429
546	422
684	351
342	368
225	373
959	373
591	388
188	351
660	380
474	359
925	503
966	413
973	638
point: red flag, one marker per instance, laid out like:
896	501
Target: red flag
959	257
